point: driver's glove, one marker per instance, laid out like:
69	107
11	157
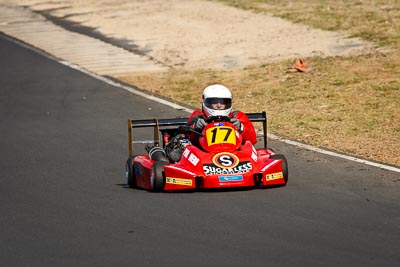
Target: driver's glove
199	124
237	124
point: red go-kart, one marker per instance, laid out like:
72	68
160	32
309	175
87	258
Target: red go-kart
220	160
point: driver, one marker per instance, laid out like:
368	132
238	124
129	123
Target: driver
217	101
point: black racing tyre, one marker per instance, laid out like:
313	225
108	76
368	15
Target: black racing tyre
130	173
157	176
285	169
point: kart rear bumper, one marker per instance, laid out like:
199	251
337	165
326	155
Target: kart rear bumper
257	180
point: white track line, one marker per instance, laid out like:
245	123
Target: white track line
179	107
335	154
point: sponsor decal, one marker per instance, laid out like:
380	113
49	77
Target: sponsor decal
219	124
225	160
254	154
193	159
186	153
242	167
179	181
180	169
190	156
269	165
274	176
236	178
254	157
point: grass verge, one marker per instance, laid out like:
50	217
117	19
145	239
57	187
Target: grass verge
347	104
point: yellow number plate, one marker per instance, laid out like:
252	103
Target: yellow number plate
220	135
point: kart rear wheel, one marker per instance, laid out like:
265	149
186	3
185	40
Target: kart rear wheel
129	173
285	169
157	176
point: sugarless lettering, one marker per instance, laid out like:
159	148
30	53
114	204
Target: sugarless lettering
242	167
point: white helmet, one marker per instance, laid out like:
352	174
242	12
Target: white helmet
216	94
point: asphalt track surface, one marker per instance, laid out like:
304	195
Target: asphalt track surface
64	201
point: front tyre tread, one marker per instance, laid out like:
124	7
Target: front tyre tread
157	176
130	173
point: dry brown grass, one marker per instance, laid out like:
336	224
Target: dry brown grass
350	104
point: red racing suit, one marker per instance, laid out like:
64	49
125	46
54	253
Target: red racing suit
249	133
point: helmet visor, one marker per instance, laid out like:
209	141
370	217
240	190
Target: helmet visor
218	103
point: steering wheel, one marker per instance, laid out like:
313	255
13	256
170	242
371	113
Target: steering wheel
185	129
217	119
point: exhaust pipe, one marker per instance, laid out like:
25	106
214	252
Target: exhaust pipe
157	153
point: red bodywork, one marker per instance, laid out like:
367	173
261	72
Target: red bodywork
223	161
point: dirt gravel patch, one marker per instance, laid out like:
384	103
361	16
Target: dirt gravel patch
194	34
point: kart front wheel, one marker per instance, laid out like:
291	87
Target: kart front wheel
157	176
129	173
285	169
